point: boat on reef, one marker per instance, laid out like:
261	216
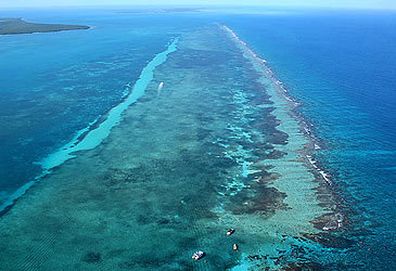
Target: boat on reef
198	255
230	232
235	247
161	86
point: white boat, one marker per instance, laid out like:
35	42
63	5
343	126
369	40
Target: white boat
161	86
230	232
198	255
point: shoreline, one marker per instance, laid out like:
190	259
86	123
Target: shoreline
18	26
322	176
96	132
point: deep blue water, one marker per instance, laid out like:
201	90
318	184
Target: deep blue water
341	67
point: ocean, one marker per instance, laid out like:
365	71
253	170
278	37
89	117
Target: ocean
100	168
338	65
54	80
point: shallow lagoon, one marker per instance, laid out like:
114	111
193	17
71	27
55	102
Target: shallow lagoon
221	145
183	165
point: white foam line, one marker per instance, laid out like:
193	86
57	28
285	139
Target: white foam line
262	62
95	137
324	175
280	87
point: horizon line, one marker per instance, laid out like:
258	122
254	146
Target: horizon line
207	6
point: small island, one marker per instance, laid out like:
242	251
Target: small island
12	26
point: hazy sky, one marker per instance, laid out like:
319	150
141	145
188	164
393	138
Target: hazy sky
382	4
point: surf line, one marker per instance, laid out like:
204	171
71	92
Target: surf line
284	93
94	137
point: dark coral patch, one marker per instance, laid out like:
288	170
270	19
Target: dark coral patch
92	257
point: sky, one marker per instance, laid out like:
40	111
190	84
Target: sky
374	4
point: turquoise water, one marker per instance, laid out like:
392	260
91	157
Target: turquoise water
340	67
220	145
64	82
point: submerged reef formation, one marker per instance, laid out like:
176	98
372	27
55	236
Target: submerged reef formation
218	147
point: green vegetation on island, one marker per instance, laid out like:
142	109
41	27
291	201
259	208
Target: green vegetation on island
10	26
